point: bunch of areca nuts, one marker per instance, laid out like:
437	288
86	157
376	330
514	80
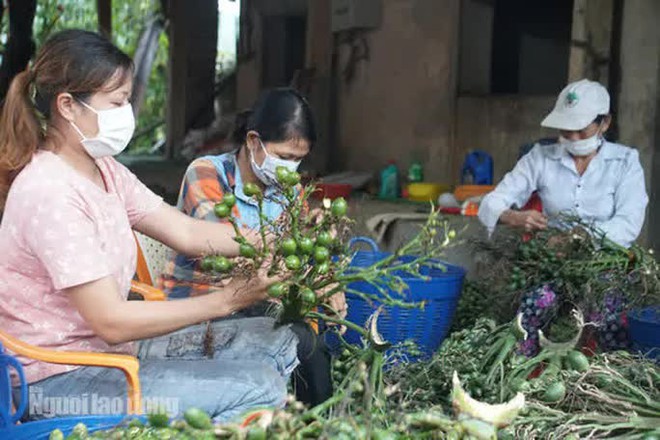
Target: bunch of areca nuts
303	247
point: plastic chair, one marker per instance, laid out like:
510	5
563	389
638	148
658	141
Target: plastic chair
128	364
9	416
152	257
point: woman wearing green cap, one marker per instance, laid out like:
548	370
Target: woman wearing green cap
582	174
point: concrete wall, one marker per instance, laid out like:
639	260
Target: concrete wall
476	47
319	62
638	114
400	103
499	125
404	101
248	72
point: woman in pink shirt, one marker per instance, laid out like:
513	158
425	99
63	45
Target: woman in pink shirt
68	252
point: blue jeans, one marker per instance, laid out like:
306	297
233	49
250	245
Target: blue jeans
249	368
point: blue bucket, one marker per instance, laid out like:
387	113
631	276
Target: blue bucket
426	327
644	329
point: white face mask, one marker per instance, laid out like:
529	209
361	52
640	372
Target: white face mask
267	171
116	127
583	147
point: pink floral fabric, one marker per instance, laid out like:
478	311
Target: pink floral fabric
60	230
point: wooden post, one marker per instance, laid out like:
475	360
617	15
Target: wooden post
104	14
178	69
193	35
318	79
590	40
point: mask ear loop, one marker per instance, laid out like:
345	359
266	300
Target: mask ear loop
601	138
75	127
80	133
263	147
83	103
251	152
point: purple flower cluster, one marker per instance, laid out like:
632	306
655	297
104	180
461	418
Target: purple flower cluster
536	307
612	323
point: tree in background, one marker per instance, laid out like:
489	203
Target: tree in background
20	46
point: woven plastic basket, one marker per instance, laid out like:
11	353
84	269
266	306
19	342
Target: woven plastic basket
426	327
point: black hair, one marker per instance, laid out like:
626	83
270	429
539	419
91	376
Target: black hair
599	119
278	115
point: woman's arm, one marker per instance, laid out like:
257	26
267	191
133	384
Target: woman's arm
116	321
185	232
630	201
190	236
515	188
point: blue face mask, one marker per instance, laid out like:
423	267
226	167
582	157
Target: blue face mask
266	172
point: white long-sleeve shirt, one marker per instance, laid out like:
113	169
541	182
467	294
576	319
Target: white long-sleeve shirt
611	194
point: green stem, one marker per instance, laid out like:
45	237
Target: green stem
239	236
339	321
262	227
505	350
376	373
319	409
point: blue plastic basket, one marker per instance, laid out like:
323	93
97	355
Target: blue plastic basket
40	430
8	363
644	329
426	327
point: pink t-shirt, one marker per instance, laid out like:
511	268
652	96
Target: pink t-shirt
60	230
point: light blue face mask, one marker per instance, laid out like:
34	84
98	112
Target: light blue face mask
266	172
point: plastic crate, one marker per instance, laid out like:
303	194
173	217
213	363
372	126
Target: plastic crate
644	329
426	327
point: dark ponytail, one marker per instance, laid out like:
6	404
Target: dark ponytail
279	115
240	127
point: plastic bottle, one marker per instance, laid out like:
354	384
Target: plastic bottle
416	172
389	181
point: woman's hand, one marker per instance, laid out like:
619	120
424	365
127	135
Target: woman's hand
116	320
318	216
336	305
239	293
528	220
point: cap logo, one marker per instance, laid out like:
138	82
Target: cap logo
572	99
